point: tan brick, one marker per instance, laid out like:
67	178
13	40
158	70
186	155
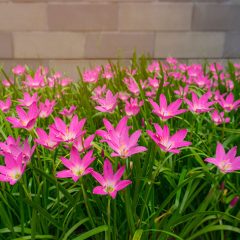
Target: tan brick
5	45
218	17
83	16
155	16
232	45
16	16
189	44
113	45
48	45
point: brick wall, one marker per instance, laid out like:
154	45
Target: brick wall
66	33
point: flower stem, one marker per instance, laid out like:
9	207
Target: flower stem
109	219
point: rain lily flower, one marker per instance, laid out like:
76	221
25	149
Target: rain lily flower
5	106
13	169
28	100
166	142
65	82
15	148
48	141
226	162
68	112
26	120
77	167
132	107
91	76
228	104
182	92
107	104
19	70
37	81
124	96
199	105
7	82
132	85
110	182
82	144
63	133
45	109
99	92
218	118
119	140
164	111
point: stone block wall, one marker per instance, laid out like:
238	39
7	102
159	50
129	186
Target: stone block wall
62	33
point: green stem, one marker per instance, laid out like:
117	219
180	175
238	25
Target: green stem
86	204
109	219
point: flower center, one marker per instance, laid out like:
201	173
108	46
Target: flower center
123	151
109	189
77	171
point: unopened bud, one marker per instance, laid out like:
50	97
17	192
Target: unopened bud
234	201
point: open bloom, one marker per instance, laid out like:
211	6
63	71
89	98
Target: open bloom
13	169
48	141
164	111
119	140
132	107
226	162
107	104
228	104
15	148
68	112
45	109
37	81
132	85
63	133
199	105
166	142
5	106
77	167
110	182
218	118
19	70
26	119
28	100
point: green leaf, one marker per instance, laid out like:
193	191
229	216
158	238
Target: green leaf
138	234
92	232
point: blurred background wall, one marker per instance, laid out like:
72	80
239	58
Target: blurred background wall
66	33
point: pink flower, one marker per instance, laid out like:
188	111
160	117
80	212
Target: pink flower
13	169
37	81
65	82
163	110
19	70
218	118
99	92
132	85
48	141
124	96
7	82
46	108
228	104
119	140
5	106
166	142
82	144
63	133
15	148
199	105
26	120
107	104
68	113
28	100
77	167
91	76
132	107
110	182
226	162
182	92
